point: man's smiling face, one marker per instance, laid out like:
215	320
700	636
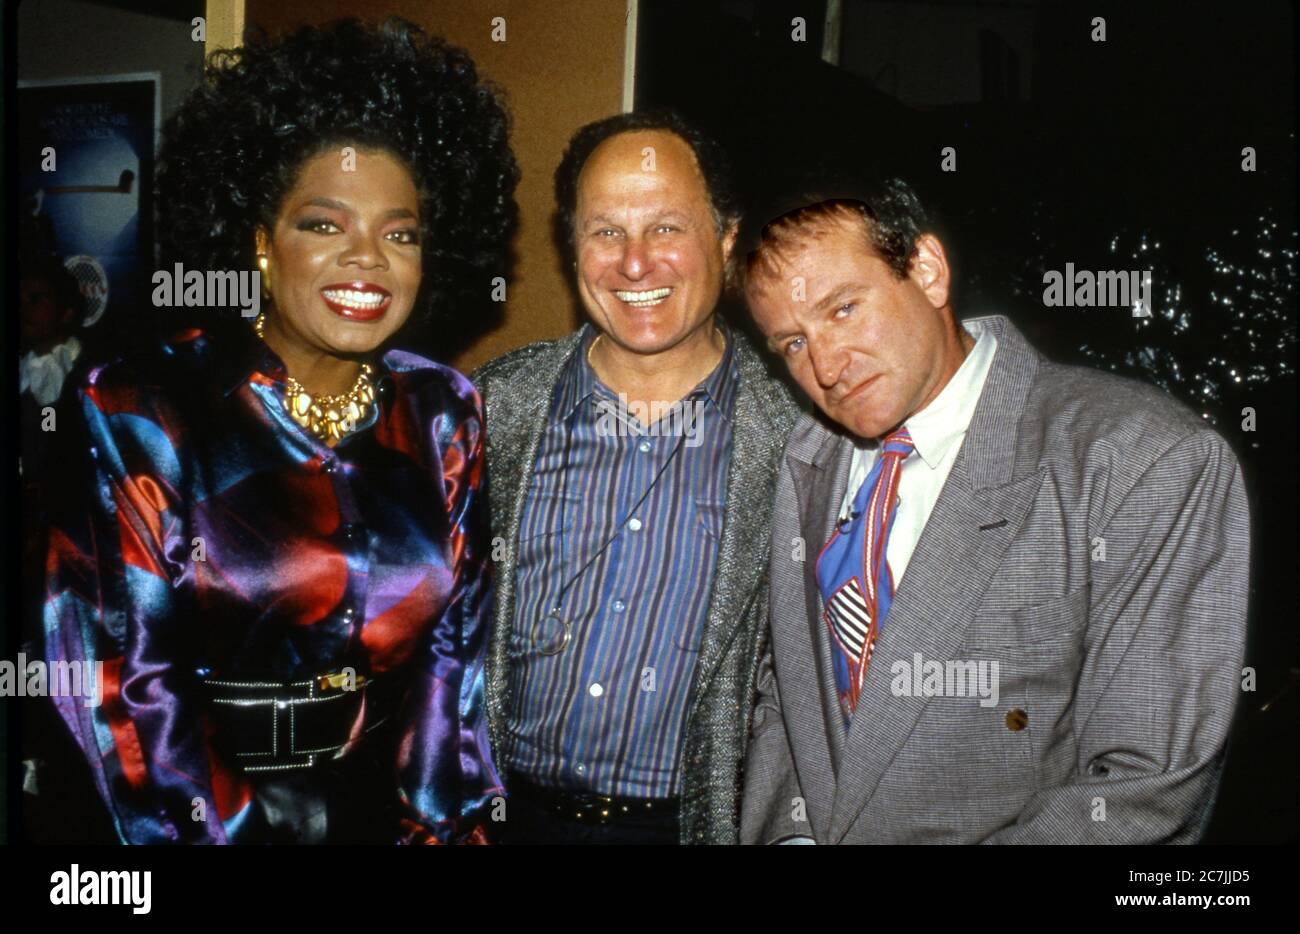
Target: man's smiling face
649	253
870	349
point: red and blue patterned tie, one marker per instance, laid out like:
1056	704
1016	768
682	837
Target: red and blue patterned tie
853	572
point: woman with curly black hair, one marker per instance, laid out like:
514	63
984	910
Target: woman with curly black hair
271	561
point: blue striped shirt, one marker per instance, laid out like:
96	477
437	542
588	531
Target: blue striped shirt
608	713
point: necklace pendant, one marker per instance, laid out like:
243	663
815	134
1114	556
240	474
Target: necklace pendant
329	418
551	635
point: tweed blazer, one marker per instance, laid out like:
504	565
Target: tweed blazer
517	389
1093	540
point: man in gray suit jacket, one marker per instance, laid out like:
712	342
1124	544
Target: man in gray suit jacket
632	548
1008	596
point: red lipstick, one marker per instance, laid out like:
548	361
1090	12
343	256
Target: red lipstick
357	301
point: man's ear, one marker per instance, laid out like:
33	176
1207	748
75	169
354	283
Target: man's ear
261	240
929	270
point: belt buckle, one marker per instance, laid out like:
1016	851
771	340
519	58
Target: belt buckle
284	703
340	681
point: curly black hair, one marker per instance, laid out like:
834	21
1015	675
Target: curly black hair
233	150
709	156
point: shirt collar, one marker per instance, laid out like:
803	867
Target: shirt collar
720	386
241	358
943	423
578	381
236	357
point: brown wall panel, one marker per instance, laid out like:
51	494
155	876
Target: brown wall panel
561	66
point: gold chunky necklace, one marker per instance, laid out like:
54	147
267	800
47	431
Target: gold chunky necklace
329	418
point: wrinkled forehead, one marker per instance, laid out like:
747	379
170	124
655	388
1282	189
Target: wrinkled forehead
645	166
801	248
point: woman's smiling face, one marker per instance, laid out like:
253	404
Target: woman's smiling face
344	255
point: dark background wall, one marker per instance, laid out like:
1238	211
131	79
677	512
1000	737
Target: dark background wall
78	38
1123	154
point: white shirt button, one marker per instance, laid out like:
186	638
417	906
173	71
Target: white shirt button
619	606
644	447
595	690
634	524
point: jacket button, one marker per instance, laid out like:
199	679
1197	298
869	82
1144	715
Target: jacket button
1017	720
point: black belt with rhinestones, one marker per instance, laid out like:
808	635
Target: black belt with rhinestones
589	808
265	726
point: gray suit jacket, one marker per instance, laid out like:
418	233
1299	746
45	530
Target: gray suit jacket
516	389
1093	539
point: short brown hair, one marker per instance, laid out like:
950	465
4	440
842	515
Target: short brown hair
891	216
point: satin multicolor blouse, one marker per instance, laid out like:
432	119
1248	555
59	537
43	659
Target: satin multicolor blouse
202	531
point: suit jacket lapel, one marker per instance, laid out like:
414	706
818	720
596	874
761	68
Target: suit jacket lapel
819	462
978	513
821	487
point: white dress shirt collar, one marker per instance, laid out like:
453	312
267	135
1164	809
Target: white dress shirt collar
943	422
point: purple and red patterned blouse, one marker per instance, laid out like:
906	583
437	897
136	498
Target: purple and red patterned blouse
202	531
